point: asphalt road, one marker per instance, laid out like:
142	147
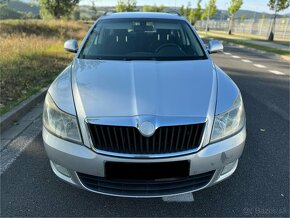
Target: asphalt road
259	187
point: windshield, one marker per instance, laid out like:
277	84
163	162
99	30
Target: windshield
142	39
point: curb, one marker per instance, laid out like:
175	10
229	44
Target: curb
282	57
7	119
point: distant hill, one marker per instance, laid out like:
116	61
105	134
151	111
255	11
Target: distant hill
20	9
23	7
7	13
220	14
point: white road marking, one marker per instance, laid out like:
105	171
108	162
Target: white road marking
259	66
246	61
227	53
179	198
235	56
18	145
276	72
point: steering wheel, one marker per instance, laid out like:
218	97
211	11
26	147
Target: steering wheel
168	45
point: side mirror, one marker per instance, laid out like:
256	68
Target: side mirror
215	46
71	45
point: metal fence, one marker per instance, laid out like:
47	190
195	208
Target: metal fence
259	27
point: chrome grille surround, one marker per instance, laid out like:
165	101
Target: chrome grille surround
135	121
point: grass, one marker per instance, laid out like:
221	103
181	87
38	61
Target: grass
32	56
247	44
284	42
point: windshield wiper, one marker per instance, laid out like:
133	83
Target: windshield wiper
82	56
139	58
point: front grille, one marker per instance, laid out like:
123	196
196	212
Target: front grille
128	140
145	188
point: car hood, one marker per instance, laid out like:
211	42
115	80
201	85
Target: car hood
103	88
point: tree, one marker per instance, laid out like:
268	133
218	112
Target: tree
235	5
93	7
126	5
153	8
243	17
57	8
191	16
93	10
263	17
76	14
197	12
182	12
188	10
209	11
147	8
276	5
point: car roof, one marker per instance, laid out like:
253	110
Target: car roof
142	15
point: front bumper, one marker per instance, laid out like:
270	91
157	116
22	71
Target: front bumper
68	159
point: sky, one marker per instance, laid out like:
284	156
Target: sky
253	5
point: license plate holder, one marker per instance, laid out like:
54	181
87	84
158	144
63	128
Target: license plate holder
156	171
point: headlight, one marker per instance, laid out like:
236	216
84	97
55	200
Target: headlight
60	123
230	122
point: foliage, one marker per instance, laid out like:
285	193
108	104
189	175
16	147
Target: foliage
263	17
76	14
153	8
188	10
57	8
281	5
182	11
196	13
32	56
126	5
276	5
94	10
210	9
243	17
191	16
235	5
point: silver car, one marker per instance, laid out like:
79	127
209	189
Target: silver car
142	110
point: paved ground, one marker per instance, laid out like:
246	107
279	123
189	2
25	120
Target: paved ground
260	186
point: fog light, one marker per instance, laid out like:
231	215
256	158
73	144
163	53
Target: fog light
61	169
229	167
